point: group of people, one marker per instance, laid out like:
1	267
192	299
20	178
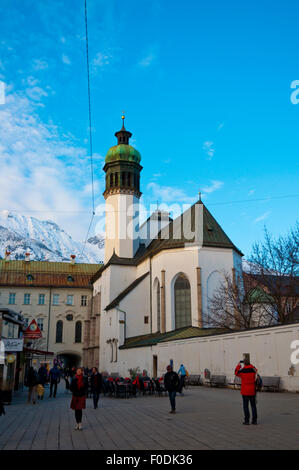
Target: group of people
250	383
80	381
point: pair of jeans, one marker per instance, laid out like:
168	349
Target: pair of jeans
32	393
246	400
182	383
78	416
172	396
95	396
53	383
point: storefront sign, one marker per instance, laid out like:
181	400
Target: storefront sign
13	345
11	358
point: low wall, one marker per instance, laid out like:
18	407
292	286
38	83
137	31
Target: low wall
269	348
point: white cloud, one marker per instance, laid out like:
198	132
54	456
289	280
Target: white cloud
262	217
148	60
101	60
43	173
212	187
208	148
40	64
65	59
170	194
251	192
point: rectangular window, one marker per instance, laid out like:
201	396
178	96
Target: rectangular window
12	299
145	319
40	324
41	299
70	300
27	299
26	321
56	299
83	300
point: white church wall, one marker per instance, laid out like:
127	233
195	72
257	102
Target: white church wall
137	306
175	262
270	351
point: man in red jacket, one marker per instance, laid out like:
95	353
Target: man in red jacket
247	373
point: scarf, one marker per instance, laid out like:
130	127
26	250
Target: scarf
80	381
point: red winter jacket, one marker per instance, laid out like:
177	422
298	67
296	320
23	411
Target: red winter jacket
247	375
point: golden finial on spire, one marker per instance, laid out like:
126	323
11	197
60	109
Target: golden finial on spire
123	116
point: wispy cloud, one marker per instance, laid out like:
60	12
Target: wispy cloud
39	64
101	60
208	147
148	60
262	217
166	194
251	192
66	60
42	170
212	187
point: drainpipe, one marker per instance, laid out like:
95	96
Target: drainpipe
49	313
151	302
125	321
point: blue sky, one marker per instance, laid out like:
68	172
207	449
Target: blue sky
206	91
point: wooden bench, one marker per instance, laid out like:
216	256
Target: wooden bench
236	382
217	380
271	383
192	380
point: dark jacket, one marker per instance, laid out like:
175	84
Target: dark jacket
248	377
96	383
32	378
2	411
55	374
76	391
171	381
42	375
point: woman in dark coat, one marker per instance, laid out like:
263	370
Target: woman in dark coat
79	388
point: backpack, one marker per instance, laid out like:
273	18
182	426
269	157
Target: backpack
174	381
258	383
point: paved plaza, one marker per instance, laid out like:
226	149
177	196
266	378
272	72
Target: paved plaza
206	419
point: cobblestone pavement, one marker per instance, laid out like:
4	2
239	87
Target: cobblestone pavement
206	419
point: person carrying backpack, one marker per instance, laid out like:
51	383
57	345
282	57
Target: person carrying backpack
247	373
54	380
171	384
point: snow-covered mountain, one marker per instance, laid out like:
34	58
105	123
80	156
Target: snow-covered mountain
44	240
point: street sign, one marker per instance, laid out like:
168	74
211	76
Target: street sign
13	345
33	331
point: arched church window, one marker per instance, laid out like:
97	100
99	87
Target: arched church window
129	179
111	180
123	178
182	298
59	331
78	332
116	179
158	307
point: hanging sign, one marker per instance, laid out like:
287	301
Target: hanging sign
13	345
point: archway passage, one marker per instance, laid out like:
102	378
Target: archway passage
69	360
182	297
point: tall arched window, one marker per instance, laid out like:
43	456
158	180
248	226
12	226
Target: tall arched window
78	332
59	331
116	179
182	299
158	307
123	175
129	179
111	180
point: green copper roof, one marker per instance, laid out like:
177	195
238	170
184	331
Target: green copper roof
123	152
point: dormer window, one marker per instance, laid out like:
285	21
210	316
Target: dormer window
70	279
29	277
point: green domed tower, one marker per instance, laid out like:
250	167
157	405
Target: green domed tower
122	194
122	166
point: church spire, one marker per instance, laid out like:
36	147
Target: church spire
123	135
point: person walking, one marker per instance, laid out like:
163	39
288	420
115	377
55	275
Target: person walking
31	382
171	384
95	386
2	410
79	387
54	380
42	375
182	375
247	372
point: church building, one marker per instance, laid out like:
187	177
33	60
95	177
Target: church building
154	287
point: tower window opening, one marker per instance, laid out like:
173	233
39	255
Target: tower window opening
123	178
116	179
111	180
129	179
